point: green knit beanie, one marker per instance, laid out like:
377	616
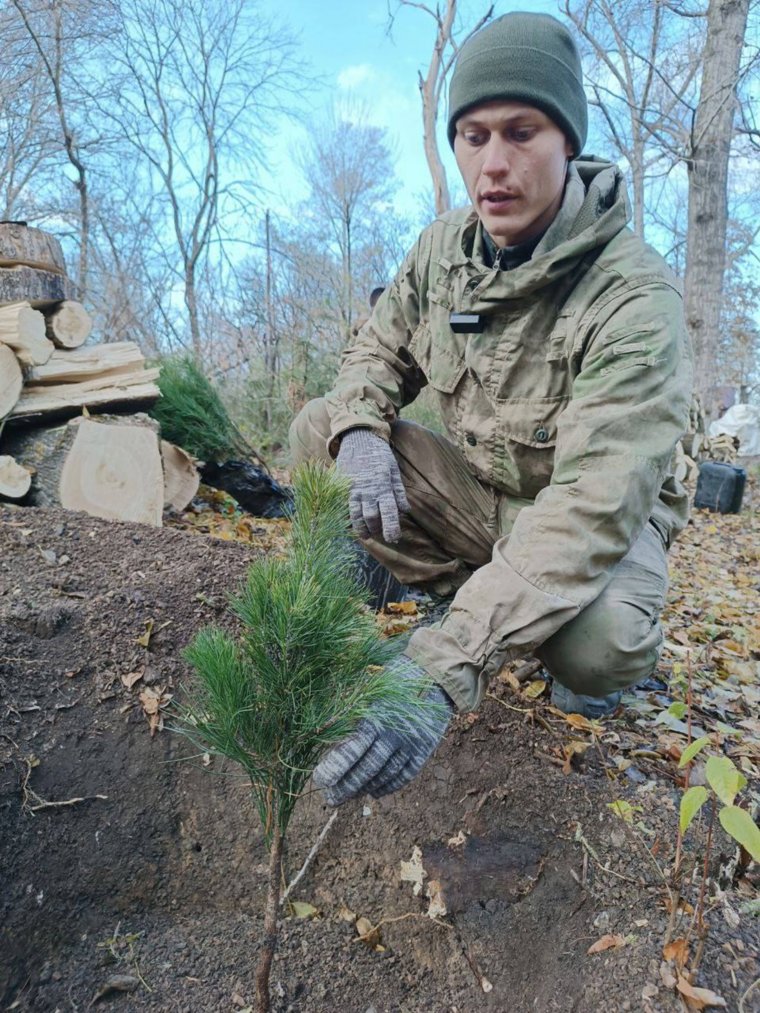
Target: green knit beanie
523	57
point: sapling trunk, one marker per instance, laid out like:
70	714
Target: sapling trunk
269	942
308	665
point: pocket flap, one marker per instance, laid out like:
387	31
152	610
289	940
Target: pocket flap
532	421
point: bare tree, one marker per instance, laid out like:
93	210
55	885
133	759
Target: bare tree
349	172
59	32
709	153
195	87
446	46
28	149
644	109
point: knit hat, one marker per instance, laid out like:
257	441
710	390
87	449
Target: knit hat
523	57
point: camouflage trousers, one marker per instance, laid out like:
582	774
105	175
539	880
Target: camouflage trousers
454	521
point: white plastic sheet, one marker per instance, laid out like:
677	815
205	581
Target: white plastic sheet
742	420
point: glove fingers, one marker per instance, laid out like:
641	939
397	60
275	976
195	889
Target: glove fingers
356	514
399	491
390	519
407	773
389	771
336	763
371	517
354	781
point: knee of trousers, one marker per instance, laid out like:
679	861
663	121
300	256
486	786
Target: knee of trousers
612	644
310	431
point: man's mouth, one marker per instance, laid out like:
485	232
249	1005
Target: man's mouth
498	198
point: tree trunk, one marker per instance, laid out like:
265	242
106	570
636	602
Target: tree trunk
192	309
427	86
269	942
708	184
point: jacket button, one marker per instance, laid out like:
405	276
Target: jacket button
471	439
541	435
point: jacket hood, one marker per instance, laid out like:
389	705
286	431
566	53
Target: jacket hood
594	210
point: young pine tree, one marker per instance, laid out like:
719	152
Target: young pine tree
307	667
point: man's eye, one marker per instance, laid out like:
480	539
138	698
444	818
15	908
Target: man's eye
523	133
474	138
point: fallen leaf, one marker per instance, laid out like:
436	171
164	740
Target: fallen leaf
404	608
130	678
144	640
116	983
608	942
302	909
437	906
677	951
346	914
511	680
412	871
583	724
485	984
698	998
368	934
534	689
454	842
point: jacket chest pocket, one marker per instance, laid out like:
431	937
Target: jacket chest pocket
441	358
525	442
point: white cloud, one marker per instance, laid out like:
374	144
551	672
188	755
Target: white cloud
351	77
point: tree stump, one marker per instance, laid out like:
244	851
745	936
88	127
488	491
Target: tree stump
14	479
23	329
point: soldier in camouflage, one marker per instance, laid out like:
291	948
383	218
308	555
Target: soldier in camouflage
555	342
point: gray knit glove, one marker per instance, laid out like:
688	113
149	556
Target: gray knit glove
385	752
377	492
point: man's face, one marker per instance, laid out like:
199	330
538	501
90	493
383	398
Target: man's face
513	160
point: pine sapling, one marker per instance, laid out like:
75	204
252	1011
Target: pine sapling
308	665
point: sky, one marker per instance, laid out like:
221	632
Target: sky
346	44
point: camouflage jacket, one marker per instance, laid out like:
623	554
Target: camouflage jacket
572	398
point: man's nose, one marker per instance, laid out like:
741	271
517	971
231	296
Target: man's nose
496	161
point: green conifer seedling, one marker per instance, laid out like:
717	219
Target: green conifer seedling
307	666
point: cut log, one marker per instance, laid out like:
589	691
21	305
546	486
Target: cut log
43	451
68	325
20	244
40	288
15	480
23	329
114	472
11	380
134	390
79	364
181	476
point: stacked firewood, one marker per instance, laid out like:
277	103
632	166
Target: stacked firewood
110	465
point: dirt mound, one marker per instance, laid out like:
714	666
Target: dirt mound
118	859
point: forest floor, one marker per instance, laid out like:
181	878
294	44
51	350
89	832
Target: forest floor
132	875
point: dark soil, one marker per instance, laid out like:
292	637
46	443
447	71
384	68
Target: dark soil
161	882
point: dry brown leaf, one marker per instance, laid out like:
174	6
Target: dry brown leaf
583	724
346	914
677	951
404	608
534	689
511	680
412	871
437	906
608	942
460	838
368	934
698	998
144	640
130	678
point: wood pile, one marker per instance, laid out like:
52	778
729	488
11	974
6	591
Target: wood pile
112	465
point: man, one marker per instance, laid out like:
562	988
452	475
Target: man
555	342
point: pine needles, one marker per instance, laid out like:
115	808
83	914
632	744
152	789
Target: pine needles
308	665
192	415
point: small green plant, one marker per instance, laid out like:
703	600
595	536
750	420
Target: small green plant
193	416
308	665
